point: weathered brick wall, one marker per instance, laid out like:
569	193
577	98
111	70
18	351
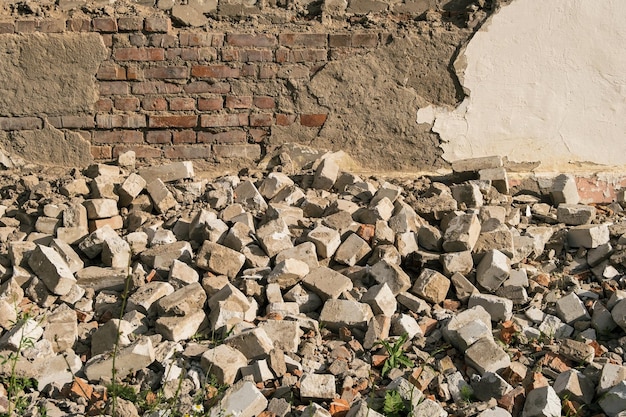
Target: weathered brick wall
168	92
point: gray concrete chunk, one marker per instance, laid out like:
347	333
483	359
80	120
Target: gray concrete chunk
52	269
219	259
327	283
462	233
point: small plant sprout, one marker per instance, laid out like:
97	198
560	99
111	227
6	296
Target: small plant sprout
397	357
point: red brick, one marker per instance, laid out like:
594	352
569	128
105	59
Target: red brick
268	71
159	136
117	136
130	23
285	119
264	102
133	73
182	103
163	40
248	70
256	55
77	122
183	136
52	25
291	72
101	152
200	87
136	39
258	135
259	40
229	136
111	72
224	120
210	104
130	121
79	25
7	27
139	54
243	102
167	72
127	103
230	54
188	152
113	88
173	121
303	39
107	39
214	71
104	104
156	87
339	40
104	24
237	151
25	26
309	55
261	119
20	123
313	120
368	40
283	55
140	151
158	24
196	39
154	103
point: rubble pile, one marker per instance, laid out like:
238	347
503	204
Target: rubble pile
134	291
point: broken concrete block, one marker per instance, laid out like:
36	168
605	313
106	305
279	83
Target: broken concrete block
219	259
575	214
116	253
457	262
168	173
132	186
601	319
588	236
345	313
564	190
381	300
325	239
490	385
574	385
493	270
242	400
498	178
430	238
576	351
307	301
413	303
570	309
429	408
327	283
177	328
163	256
405	324
285	335
274	237
147	295
182	274
542	402
253	343
477	316
304	252
273	183
407	244
486	355
500	309
183	301
25	329
383	210
224	362
391	274
462	233
135	356
315	410
52	270
377	329
101	208
325	175
462	286
92	245
317	386
68	254
98	278
161	197
468	194
249	197
113	332
352	251
409	393
288	273
361	409
552	326
610	376
61	328
431	285
258	370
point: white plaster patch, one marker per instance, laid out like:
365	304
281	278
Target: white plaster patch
546	81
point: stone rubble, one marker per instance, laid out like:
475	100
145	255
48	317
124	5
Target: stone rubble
267	294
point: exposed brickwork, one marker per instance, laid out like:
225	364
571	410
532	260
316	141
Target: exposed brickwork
177	93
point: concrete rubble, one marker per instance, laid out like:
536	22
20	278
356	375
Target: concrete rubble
271	294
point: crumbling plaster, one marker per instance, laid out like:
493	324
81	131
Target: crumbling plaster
545	81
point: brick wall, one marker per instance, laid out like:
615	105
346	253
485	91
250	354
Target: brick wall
168	92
